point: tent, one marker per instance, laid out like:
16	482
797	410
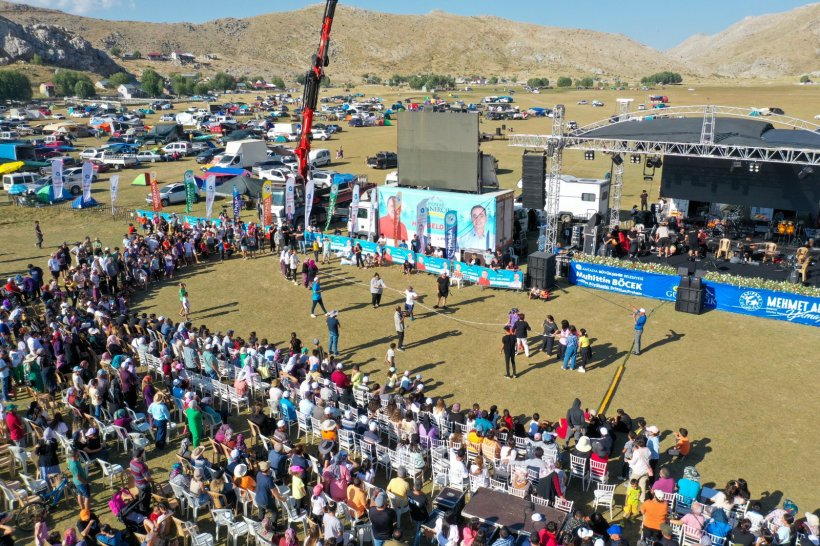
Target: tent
79	203
245	185
46	194
280	138
141	180
18	189
227	171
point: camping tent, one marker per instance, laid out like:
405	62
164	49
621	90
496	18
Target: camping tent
142	180
46	194
252	187
79	203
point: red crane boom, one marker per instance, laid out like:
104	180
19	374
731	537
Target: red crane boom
310	97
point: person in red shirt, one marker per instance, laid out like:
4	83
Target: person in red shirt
339	378
17	431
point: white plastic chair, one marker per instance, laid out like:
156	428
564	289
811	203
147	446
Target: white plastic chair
197	538
578	469
110	470
604	496
563	505
21	457
395	504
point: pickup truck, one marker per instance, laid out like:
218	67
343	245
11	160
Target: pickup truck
119	161
383	160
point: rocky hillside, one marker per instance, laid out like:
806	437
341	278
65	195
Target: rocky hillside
375	43
56	46
768	46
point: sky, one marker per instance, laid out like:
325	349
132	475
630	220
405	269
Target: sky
660	25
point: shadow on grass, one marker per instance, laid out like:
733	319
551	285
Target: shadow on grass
431	339
425	367
671	337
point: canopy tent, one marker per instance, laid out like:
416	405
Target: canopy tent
10	167
17	189
227	171
142	180
80	203
245	185
46	194
238	135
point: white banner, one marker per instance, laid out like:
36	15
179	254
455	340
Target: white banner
290	203
374	214
115	186
57	178
88	176
309	191
354	208
210	193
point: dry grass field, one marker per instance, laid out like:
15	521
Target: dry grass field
744	387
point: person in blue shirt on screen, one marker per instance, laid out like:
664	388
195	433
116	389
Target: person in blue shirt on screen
477	237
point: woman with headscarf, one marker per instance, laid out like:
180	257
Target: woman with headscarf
33	372
48	372
718	524
148	390
428	431
194	422
48	460
313	269
290	538
122	419
336	477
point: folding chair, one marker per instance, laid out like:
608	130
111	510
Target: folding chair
604	496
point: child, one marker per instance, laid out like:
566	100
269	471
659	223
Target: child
682	444
392	379
633	500
584	347
627	454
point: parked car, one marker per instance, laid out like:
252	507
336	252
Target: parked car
167	117
583	102
149	156
77	172
597	103
172	194
277	175
91	153
320	134
267	165
57	116
206	156
383	160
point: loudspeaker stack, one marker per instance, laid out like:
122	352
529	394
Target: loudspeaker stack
691	292
533	181
541	270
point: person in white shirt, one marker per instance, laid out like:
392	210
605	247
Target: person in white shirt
410	297
458	469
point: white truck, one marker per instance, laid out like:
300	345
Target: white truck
243	154
119	161
580	198
288	130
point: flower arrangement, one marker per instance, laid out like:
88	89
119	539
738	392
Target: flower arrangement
724	278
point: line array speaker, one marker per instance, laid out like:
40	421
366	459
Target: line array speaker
533	181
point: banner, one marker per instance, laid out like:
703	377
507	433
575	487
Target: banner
396	255
185	220
267	203
88	176
624	281
763	303
237	204
114	181
290	197
334	194
431	264
210	193
450	234
310	190
354	209
485	276
374	212
57	178
156	198
394	212
190	190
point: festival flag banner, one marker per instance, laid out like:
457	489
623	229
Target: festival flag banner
237	204
374	211
310	190
450	234
267	203
57	178
190	190
431	264
354	208
210	193
156	198
114	181
88	177
334	194
290	200
397	218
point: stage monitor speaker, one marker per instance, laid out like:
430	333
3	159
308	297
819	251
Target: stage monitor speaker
592	238
696	283
690	300
685	281
541	270
533	181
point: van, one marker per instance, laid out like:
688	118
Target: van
9	135
18	178
319	158
182	148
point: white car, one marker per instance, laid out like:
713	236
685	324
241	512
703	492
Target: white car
79	114
167	117
90	153
172	194
323	178
320	134
77	172
57	116
276	175
597	103
817	116
147	156
582	102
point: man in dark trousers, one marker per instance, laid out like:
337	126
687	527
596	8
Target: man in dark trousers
575	421
398	320
521	329
443	283
508	346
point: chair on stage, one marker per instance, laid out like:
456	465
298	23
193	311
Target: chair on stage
804	271
801	255
724	248
769	252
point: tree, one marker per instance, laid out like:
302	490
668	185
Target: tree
84	88
119	79
152	83
36	59
564	81
182	85
805	79
222	81
584	82
301	78
14	86
396	80
493	80
278	82
538	82
115	51
325	81
201	89
66	80
662	78
137	55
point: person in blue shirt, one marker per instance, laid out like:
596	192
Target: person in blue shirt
640	321
482	424
317	297
287	407
333	332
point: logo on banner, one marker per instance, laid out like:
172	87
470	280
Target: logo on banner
115	186
310	189
88	176
750	301
57	178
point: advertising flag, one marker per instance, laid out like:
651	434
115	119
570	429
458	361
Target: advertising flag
334	194
310	190
156	198
210	193
290	203
374	211
88	176
421	223
237	204
397	219
190	190
354	208
450	234
267	203
57	178
115	186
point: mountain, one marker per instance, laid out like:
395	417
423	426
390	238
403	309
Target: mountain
767	46
56	46
368	42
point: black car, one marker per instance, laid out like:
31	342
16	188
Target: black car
383	160
206	156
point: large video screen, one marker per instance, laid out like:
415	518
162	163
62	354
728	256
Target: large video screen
774	185
474	219
438	150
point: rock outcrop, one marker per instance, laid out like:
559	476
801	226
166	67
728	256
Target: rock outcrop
55	45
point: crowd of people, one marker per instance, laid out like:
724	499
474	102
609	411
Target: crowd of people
92	362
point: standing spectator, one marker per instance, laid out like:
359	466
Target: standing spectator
653	442
549	335
644	198
38	234
508	347
377	287
316	296
17	431
654	513
398	321
383	519
266	491
521	329
443	283
571	350
419	512
142	479
160	416
333	332
194	423
410	298
79	475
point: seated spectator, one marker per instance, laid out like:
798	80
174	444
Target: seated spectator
682	444
664	482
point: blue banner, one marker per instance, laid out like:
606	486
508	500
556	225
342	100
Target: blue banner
723	297
184	218
397	255
431	264
450	234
